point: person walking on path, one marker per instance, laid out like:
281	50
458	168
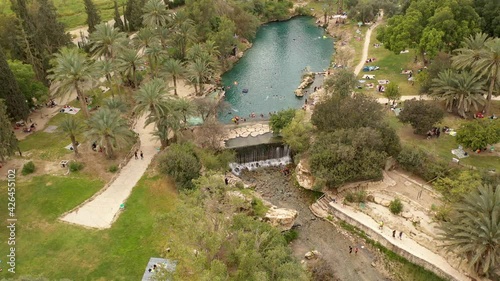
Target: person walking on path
356	250
226	180
142	155
381	225
394	233
135	154
401	235
350	249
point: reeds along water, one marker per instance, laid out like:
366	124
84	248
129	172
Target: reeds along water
260	156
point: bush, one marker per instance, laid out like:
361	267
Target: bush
281	119
290	235
28	168
216	161
259	209
356	196
415	160
113	168
75	166
181	163
396	206
422	115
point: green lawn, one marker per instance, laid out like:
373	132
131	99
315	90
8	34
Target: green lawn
51	248
443	145
390	65
72	12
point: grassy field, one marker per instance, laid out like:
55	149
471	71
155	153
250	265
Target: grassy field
443	145
51	248
390	68
72	12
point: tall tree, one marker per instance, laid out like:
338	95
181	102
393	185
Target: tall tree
110	130
8	141
155	14
461	91
71	128
174	69
17	107
93	17
474	230
105	41
32	89
128	62
72	71
199	72
133	14
118	19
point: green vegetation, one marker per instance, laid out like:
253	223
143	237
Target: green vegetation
458	184
16	105
474	230
297	133
396	206
182	164
421	115
281	119
28	168
478	134
32	89
8	141
75	166
425	165
356	196
113	168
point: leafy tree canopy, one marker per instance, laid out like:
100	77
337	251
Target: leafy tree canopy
281	119
421	115
31	88
479	133
8	141
297	134
181	163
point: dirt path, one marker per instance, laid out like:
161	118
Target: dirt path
317	234
368	36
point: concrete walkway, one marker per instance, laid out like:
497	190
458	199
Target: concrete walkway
434	261
103	208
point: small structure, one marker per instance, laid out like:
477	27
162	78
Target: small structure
158	266
64	163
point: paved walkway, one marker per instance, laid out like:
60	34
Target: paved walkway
405	243
102	209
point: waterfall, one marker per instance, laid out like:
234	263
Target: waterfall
260	156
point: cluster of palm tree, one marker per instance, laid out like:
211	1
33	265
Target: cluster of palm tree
474	230
476	73
165	50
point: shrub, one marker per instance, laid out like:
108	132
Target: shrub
396	206
28	168
422	115
113	168
181	163
416	161
356	196
281	119
216	161
259	209
290	235
75	166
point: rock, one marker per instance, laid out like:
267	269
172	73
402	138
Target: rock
303	175
281	218
407	215
373	264
312	255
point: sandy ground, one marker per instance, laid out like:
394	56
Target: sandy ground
317	234
368	36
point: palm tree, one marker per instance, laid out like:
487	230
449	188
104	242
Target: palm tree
489	66
183	36
166	124
163	34
116	105
460	90
199	72
155	14
155	53
128	62
72	69
110	130
174	69
144	38
474	229
482	55
105	40
71	128
153	97
185	108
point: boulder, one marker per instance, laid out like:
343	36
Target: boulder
312	255
304	176
407	215
281	218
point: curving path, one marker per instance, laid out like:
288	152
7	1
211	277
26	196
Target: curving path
368	36
103	208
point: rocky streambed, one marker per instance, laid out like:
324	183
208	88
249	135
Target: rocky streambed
316	234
